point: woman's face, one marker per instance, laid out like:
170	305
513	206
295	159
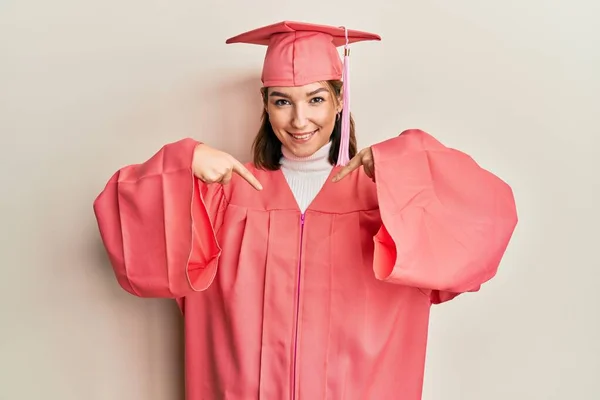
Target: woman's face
302	117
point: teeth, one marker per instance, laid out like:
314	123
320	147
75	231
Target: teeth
303	137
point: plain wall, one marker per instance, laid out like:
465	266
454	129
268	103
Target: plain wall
89	86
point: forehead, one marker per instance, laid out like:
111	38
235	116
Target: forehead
299	91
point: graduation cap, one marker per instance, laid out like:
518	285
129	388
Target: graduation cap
300	53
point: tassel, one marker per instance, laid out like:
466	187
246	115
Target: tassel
344	153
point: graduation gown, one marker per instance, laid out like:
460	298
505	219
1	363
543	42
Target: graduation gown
332	303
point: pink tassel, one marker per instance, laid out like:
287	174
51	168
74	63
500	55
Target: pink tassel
344	154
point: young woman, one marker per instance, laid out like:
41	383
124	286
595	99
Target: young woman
298	277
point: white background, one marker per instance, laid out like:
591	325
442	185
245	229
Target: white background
89	86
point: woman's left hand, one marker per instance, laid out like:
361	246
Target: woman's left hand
364	158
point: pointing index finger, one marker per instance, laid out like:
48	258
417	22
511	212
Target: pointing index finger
352	165
239	169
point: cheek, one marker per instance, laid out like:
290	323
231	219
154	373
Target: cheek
279	123
278	119
326	116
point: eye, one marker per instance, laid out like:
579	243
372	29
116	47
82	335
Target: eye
317	100
281	103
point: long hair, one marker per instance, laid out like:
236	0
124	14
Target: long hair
266	148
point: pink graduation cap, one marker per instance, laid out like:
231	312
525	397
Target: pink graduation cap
300	53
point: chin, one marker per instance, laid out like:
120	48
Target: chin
305	152
307	149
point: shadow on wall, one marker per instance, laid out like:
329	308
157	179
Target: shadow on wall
233	108
150	332
225	115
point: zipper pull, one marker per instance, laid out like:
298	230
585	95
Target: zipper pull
302	218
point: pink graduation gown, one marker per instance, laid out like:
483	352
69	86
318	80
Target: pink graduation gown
330	304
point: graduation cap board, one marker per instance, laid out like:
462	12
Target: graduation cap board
300	53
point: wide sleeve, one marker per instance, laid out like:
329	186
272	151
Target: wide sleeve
158	222
446	222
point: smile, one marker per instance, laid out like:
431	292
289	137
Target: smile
302	137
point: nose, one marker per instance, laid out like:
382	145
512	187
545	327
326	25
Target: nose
300	117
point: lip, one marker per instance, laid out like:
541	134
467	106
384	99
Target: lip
302	137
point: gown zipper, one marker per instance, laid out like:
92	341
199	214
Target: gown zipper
297	307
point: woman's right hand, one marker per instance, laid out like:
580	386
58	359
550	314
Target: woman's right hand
214	166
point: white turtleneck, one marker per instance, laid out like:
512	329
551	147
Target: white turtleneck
306	175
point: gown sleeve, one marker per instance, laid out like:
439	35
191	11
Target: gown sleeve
158	222
446	222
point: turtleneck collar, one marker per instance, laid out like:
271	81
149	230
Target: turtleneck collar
318	162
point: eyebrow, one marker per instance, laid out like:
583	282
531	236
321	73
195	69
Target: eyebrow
280	94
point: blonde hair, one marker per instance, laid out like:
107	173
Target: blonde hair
266	148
